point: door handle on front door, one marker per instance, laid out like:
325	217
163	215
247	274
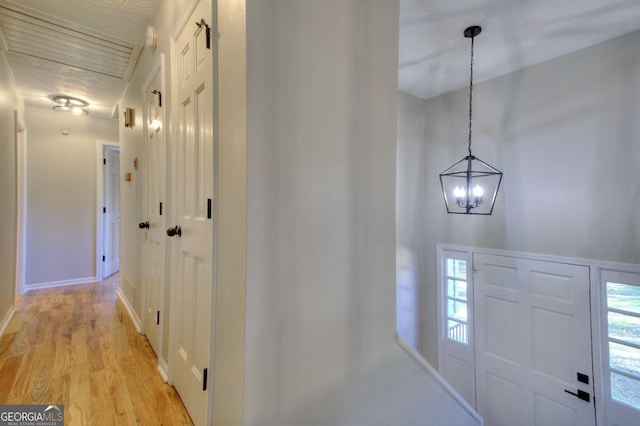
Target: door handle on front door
585	396
143	225
174	231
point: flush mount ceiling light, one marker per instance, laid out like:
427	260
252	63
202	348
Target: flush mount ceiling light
470	186
69	104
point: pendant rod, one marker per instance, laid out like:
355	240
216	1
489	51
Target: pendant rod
471	33
470	95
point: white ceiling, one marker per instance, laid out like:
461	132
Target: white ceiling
433	56
81	48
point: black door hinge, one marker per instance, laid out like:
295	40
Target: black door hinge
158	318
104	161
208	208
157	92
104	210
104	258
204	379
160	208
201	24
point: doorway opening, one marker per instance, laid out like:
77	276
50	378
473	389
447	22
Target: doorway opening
108	210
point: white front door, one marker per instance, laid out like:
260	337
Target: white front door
111	210
533	342
154	209
194	198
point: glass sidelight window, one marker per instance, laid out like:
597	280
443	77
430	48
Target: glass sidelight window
456	300
623	341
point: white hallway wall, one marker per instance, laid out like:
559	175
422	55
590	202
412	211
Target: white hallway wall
10	102
320	310
565	133
61	194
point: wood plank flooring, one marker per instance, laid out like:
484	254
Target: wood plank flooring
75	346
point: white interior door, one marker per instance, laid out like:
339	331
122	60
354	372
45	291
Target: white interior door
111	210
533	337
193	197
154	253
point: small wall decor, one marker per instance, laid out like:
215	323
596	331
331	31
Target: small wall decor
129	117
152	37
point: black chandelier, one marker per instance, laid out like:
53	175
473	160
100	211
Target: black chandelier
470	186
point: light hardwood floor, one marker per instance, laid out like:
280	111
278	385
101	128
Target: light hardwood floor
75	346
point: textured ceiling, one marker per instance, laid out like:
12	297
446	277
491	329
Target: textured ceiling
34	42
125	19
434	55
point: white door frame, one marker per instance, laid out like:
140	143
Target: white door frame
100	171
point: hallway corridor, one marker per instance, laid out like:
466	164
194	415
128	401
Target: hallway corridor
75	346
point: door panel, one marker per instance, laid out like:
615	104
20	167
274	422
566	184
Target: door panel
533	336
194	197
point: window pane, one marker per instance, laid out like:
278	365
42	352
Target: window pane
457	289
623	296
457	268
461	269
624	327
457	310
625	389
457	331
451	267
624	358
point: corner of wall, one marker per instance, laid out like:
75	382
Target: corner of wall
229	346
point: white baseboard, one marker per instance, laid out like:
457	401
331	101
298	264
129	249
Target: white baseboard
132	313
163	369
413	353
6	320
51	284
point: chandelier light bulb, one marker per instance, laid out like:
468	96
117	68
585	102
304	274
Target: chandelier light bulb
459	192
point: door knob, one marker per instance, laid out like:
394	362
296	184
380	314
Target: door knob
174	231
143	225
